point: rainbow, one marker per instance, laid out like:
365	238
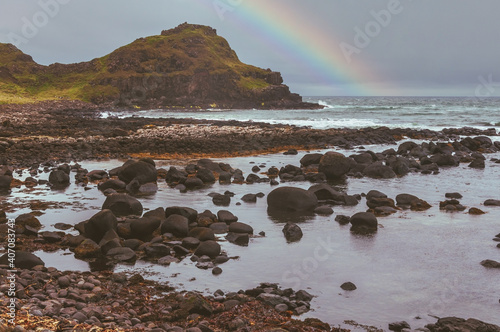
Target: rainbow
305	45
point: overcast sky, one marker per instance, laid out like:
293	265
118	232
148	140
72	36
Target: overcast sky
423	47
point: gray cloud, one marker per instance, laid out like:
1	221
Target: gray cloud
429	47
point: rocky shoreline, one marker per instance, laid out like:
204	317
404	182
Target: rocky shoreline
43	137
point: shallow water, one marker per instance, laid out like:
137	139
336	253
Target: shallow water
417	264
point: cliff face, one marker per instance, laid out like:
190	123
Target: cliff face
189	66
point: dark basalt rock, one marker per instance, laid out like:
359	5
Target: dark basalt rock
292	232
23	260
291	199
123	205
364	223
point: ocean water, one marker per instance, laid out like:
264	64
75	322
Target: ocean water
433	113
417	266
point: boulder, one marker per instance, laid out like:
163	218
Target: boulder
226	217
323	210
221	200
88	249
23	260
144	227
291	199
240	239
249	198
123	205
99	224
209	165
219	227
292	232
375	194
27	219
208	248
335	165
5	181
325	192
193	183
175	176
143	171
205	175
59	178
455	324
492	202
491	264
190	242
113	184
225	178
239	227
202	233
190	214
311	159
412	202
175	224
442	159
377	170
364	222
122	254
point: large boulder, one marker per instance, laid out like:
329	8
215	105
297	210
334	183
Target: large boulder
210	165
239	227
143	171
175	224
363	223
311	159
205	175
202	233
291	199
190	214
123	205
325	192
88	249
378	170
27	219
23	260
335	165
99	224
446	324
144	227
208	248
412	202
59	178
445	159
112	184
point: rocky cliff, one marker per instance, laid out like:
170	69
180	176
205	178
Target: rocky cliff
189	66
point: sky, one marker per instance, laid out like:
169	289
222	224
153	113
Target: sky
321	47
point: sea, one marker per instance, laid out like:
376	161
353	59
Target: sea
433	113
418	266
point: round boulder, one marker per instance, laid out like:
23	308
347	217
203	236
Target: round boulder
292	232
364	222
208	248
24	260
176	224
123	205
142	171
335	165
291	199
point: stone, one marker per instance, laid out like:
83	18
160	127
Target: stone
348	286
335	165
476	211
311	159
221	200
240	239
88	249
143	171
99	224
219	227
27	219
291	199
343	220
176	224
461	325
59	179
292	232
492	202
249	198
190	242
23	260
226	217
364	222
323	210
193	183
167	260
202	233
488	263
239	227
123	205
398	326
122	254
112	184
205	175
216	271
209	248
377	170
190	214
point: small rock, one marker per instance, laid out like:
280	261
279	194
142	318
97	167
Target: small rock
398	326
348	286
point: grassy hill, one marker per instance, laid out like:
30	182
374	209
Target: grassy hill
188	66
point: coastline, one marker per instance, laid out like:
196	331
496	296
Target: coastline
79	134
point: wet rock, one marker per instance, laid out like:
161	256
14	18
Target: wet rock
476	211
52	237
28	219
226	217
209	248
492	202
291	199
23	260
343	220
292	232
398	326
156	250
99	224
175	224
5	181
240	239
190	214
249	198
219	227
167	260
311	159
239	227
412	202
59	179
364	223
335	165
216	271
478	164
323	210
256	169
205	175
291	152
461	325
453	195
442	159
221	200
88	249
122	254
197	304
123	205
193	183
348	286
202	233
143	171
488	263
377	202
175	176
372	194
225	178
132	243
378	170
190	242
